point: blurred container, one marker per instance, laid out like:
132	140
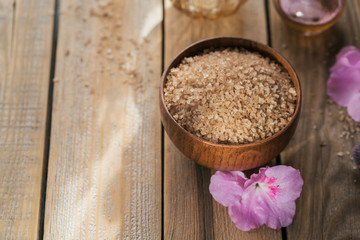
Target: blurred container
211	9
310	16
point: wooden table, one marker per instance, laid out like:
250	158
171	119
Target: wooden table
82	151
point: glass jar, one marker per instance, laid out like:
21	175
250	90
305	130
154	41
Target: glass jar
208	8
310	16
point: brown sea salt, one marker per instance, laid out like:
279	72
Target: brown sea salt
230	96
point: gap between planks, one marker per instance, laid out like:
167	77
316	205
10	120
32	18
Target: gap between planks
48	118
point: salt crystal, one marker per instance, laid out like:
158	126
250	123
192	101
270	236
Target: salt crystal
231	88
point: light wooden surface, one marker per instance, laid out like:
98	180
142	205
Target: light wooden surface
104	176
25	55
111	173
329	206
189	211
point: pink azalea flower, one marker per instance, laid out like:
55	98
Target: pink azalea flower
344	81
266	198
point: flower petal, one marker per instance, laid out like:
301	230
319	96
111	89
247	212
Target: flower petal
354	107
256	177
266	198
348	56
244	218
288	180
227	187
343	84
261	209
344	80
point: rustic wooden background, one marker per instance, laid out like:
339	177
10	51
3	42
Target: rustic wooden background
82	151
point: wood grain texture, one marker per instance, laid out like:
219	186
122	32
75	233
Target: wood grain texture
329	204
104	177
189	210
26	29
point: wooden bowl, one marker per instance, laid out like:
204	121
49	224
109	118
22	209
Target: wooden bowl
228	157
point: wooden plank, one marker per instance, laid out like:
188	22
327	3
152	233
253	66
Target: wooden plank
104	178
189	210
26	29
7	14
329	205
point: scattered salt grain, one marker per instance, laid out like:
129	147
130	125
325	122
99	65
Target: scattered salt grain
340	154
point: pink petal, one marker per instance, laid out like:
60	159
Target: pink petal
268	198
257	208
348	56
354	107
244	218
344	80
227	187
345	50
259	177
288	181
343	84
284	182
271	196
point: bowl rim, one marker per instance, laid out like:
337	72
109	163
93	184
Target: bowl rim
287	18
274	55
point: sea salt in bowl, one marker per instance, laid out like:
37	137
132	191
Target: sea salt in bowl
222	155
